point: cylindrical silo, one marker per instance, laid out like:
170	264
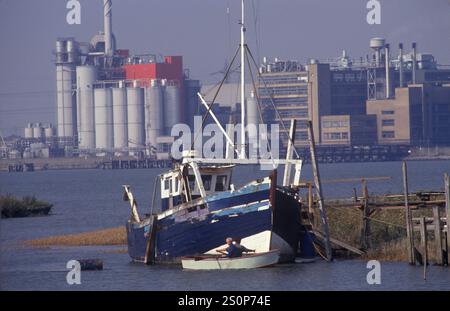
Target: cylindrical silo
135	114
61	52
28	131
86	77
172	107
65	99
72	51
104	129
154	120
252	117
120	117
48	132
38	131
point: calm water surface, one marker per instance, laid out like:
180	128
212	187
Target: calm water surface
87	200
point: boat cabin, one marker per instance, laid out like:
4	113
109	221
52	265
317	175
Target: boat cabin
189	182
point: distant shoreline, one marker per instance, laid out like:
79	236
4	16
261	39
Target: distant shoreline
42	164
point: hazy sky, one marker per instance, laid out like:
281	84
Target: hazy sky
203	33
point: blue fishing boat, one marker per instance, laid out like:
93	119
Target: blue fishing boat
201	207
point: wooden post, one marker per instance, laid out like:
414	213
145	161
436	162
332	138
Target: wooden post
323	214
409	225
150	253
289	154
365	230
310	198
437	235
424	242
447	213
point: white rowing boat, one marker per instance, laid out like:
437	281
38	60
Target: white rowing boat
251	261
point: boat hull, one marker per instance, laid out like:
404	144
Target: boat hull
252	261
260	226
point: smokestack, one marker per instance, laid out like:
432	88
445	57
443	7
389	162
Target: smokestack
388	69
107	12
414	62
400	46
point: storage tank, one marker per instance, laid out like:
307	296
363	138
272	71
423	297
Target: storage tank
61	56
172	107
38	131
154	119
377	44
48	132
135	115
28	133
119	95
104	129
86	76
65	99
252	117
72	51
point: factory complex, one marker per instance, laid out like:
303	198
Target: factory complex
112	103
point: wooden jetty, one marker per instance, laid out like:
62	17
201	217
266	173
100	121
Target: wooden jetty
424	232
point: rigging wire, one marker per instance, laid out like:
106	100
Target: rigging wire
257	99
214	99
273	104
255	10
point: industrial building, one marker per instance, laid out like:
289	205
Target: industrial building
345	98
112	103
418	115
298	92
349	130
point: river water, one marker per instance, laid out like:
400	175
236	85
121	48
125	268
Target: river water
86	200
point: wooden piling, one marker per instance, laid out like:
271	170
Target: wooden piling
424	243
289	154
409	225
447	213
323	214
150	252
365	230
310	198
437	236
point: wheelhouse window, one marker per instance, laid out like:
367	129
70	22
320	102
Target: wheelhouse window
167	184
191	180
175	183
207	179
221	183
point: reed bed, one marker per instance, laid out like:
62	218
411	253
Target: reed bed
112	236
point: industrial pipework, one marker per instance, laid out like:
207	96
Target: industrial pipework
107	12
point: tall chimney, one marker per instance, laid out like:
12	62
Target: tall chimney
400	46
388	69
414	62
107	12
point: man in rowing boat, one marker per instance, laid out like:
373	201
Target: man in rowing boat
241	248
231	251
234	248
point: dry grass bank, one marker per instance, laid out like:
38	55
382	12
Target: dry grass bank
113	236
